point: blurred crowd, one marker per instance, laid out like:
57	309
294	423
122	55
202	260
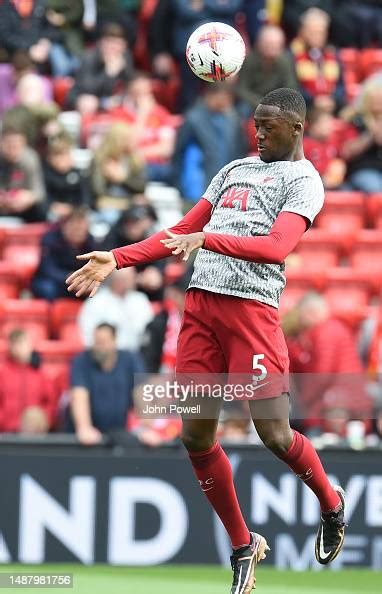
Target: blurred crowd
106	136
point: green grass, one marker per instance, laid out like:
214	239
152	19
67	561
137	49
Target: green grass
102	579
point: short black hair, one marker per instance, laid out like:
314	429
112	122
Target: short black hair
287	100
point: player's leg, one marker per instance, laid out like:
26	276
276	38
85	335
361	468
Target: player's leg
200	356
256	345
298	453
223	311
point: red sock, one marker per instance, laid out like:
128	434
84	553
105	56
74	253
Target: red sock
303	459
214	473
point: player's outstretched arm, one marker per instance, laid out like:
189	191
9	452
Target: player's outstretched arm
87	280
152	249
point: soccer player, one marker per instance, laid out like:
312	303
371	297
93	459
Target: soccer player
250	218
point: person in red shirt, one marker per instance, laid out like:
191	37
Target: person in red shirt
153	126
27	396
330	374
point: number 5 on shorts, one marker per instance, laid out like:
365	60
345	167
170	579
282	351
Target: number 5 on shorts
256	366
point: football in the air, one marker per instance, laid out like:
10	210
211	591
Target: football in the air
215	51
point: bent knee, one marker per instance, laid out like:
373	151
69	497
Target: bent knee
278	443
197	443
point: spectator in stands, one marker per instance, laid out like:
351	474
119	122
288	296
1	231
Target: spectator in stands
11	73
323	352
102	72
318	68
268	66
102	383
118	303
160	339
117	171
293	9
60	246
32	113
154	126
363	151
98	13
322	146
159	354
172	24
23	26
65	17
22	191
27	398
134	225
66	186
210	137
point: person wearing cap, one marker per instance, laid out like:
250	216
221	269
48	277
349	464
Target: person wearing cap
102	71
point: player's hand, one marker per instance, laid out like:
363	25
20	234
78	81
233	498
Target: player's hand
183	243
88	279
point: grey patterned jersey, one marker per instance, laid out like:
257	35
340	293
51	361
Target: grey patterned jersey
247	196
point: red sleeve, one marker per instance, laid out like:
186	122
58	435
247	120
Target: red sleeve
151	249
271	249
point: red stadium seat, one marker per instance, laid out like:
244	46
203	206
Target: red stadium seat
299	282
63	319
352	74
30	314
348	292
373	205
306	278
56	355
370	61
9	281
29	234
22	248
343	213
349	57
24	259
367	255
319	250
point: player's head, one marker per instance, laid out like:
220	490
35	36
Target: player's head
279	121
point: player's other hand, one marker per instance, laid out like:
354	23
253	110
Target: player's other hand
88	279
183	243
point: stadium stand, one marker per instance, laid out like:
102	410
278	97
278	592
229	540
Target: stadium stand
340	256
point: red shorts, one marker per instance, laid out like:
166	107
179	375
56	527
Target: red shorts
222	334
